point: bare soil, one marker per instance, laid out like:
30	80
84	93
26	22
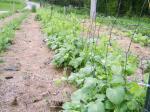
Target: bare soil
28	80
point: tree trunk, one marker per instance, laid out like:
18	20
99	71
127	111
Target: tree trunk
93	9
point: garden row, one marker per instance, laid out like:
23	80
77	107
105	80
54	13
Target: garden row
138	29
4	15
98	71
8	31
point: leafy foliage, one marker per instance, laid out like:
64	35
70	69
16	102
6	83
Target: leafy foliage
139	38
128	7
102	87
8	31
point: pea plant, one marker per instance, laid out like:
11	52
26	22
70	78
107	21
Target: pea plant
101	87
8	31
127	26
139	38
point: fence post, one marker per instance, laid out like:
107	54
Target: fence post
93	9
147	101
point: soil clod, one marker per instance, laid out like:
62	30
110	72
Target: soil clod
13	68
15	102
9	77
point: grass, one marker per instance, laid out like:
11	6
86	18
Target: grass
36	0
10	5
4	15
8	31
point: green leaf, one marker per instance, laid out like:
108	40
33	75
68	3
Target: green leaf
130	69
116	69
88	69
132	105
71	106
121	108
90	82
76	62
136	90
79	81
73	77
108	105
100	97
81	95
116	95
67	106
117	79
96	107
97	58
78	95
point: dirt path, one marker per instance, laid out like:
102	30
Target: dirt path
28	80
8	19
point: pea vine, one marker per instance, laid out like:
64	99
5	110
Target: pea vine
97	91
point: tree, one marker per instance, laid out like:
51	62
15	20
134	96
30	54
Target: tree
93	9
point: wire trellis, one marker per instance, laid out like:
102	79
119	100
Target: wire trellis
91	34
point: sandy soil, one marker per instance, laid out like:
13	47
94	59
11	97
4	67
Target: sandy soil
28	80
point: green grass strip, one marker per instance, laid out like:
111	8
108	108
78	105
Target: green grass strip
10	5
